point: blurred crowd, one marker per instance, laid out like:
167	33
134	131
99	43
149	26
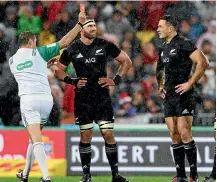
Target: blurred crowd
131	26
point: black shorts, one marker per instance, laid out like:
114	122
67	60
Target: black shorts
93	106
179	105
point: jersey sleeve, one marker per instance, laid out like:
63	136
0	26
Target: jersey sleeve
49	51
188	47
65	58
112	50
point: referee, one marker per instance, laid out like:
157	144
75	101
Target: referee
89	56
176	57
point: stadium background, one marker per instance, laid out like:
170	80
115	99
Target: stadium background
138	108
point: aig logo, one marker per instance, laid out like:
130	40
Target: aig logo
90	60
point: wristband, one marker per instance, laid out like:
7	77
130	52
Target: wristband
117	79
72	81
79	23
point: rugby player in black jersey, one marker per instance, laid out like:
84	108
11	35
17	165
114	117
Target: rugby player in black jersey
176	57
89	56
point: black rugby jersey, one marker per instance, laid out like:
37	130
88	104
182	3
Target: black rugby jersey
174	60
90	61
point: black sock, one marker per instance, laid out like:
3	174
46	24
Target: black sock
112	155
191	153
179	157
85	155
213	173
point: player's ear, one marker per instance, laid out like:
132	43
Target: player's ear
171	28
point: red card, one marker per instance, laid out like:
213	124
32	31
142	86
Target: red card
82	8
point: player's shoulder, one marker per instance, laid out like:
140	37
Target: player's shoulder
186	44
183	40
101	41
73	46
74	43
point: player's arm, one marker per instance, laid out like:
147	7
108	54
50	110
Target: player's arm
125	64
202	64
160	76
60	67
160	72
124	61
70	36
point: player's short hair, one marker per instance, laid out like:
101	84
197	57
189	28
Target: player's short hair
89	19
172	20
24	37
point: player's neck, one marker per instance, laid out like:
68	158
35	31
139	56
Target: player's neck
86	41
171	36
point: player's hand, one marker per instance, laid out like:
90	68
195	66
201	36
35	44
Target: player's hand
162	92
105	82
81	83
182	88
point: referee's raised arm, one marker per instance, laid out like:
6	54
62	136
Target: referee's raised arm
70	36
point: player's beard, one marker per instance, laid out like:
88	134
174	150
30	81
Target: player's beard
90	35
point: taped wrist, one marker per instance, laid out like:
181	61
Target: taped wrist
117	79
72	81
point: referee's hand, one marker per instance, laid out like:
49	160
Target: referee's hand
52	62
82	17
105	82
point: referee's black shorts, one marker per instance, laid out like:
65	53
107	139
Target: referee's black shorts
93	106
176	105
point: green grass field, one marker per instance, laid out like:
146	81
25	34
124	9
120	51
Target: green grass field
95	179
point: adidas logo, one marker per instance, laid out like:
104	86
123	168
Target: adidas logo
185	111
79	55
162	54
